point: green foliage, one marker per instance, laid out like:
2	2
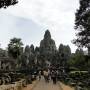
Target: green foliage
78	60
82	24
15	47
6	3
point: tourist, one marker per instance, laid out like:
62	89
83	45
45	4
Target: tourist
39	74
46	75
54	76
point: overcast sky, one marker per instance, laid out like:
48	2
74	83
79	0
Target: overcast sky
29	19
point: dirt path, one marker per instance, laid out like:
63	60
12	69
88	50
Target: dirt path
65	87
42	85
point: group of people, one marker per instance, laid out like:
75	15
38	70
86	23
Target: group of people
49	75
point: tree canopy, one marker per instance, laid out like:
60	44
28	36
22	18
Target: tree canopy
6	3
15	47
78	60
82	24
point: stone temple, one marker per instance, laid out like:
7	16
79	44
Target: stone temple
6	63
47	45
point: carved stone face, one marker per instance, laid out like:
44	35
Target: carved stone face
47	45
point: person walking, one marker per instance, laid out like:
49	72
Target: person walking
39	74
54	76
46	75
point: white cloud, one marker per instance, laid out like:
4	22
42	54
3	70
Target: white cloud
57	15
44	11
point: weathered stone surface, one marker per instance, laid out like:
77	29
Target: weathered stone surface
6	63
3	53
47	45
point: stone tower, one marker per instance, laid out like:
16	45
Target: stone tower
47	45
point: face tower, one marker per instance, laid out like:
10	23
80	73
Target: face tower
47	45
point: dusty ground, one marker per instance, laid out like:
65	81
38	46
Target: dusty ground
42	85
64	87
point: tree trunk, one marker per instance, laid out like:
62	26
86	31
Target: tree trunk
88	51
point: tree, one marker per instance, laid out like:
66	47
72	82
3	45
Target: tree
15	47
6	3
82	24
77	60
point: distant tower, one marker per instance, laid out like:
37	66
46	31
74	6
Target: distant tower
47	45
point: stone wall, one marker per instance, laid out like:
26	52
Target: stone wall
6	63
16	86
